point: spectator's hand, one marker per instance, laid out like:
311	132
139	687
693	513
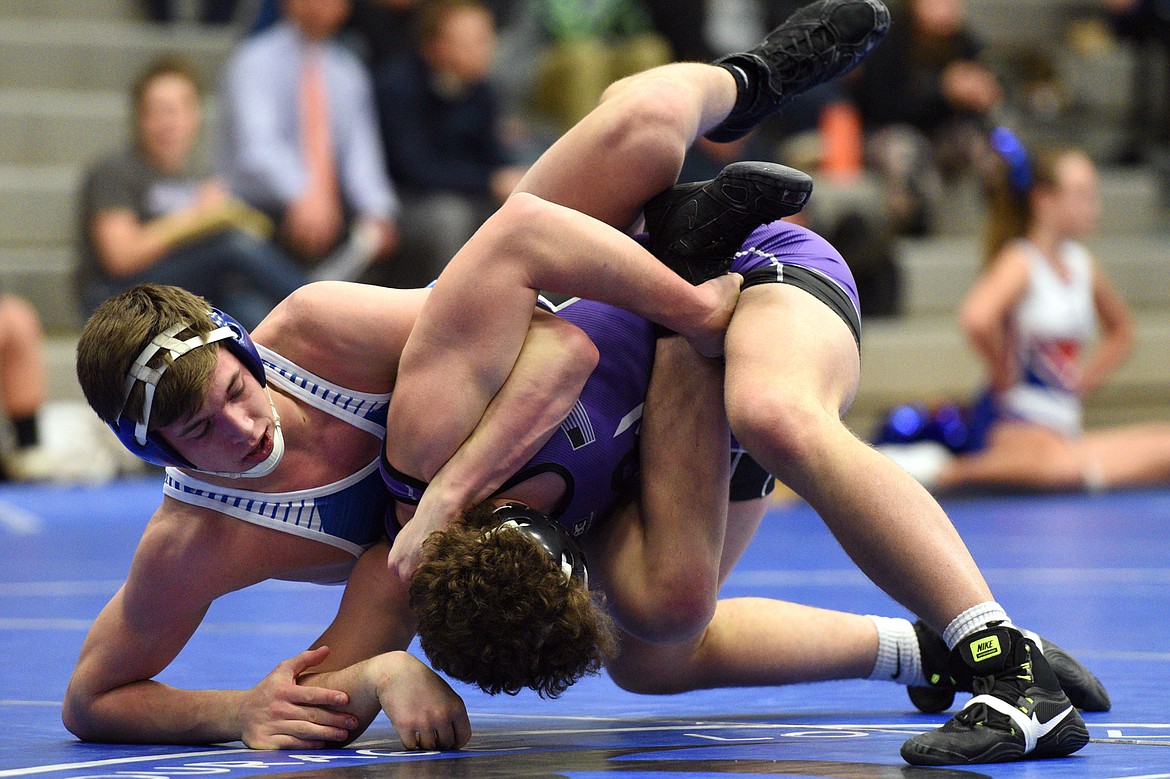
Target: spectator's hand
313	223
424	710
212	195
280	714
382	236
970	86
1003	376
505	179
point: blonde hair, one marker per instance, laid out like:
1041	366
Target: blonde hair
1010	205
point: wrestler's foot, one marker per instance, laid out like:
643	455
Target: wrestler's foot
1080	685
939	692
696	229
723	291
1083	689
815	44
1019	709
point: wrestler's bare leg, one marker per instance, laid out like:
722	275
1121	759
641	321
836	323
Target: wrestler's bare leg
631	147
784	401
658	557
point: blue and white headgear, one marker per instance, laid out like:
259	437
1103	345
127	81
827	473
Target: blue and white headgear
561	548
136	436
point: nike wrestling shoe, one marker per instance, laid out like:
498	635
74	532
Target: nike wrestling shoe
1018	711
815	44
696	229
1083	689
939	692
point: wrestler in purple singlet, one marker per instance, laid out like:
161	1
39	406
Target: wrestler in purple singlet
595	450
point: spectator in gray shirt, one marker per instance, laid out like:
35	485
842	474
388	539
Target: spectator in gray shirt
153	213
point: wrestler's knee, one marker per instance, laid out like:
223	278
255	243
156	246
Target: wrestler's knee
777	426
638	668
18	319
646	111
670	609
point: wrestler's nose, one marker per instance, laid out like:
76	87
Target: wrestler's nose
239	424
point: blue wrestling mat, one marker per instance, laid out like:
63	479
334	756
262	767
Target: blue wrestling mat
1092	572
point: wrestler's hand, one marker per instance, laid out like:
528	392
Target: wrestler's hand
280	714
406	553
424	710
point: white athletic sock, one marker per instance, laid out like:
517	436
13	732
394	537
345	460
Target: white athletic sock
974	619
898	658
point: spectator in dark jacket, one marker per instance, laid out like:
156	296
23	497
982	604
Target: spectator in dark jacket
925	97
440	125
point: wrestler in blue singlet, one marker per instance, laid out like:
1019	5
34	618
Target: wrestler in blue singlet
595	450
347	513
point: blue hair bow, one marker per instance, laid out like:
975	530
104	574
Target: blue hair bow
1012	149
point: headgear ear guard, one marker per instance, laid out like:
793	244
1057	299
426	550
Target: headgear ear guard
136	436
557	543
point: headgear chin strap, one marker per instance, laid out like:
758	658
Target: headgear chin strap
550	536
135	435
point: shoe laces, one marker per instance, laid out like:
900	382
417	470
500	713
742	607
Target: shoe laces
817	47
1008	685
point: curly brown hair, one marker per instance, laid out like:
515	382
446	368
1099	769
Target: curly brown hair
498	613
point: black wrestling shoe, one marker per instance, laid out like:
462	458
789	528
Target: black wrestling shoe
1080	685
939	692
1019	709
1083	689
696	229
815	44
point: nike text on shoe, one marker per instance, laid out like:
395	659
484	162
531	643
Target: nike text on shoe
696	229
1018	710
815	44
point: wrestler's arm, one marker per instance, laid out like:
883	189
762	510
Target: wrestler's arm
468	338
373	624
542	388
112	695
355	335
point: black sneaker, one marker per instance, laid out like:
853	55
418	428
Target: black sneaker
815	44
1019	709
696	229
939	692
1083	689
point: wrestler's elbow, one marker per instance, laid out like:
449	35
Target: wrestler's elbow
77	715
569	354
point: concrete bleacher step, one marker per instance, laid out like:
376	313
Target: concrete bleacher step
1016	23
58	127
938	272
60	362
59	53
1130	203
71	9
38	204
44	277
67	128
